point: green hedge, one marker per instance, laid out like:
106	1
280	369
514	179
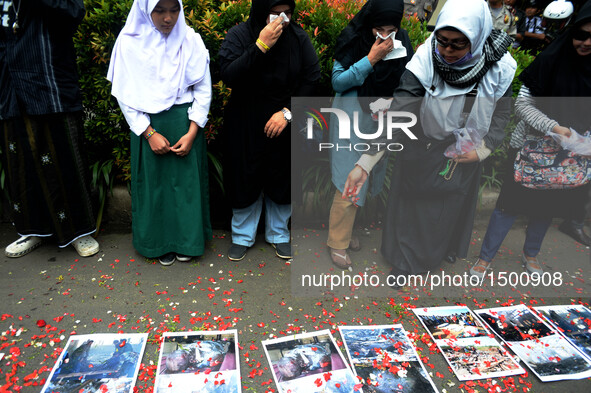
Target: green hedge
106	129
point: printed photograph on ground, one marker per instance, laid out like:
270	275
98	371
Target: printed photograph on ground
450	322
309	363
386	360
549	355
573	321
97	362
482	357
466	344
203	362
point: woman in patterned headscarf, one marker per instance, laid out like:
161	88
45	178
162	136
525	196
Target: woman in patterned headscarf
429	218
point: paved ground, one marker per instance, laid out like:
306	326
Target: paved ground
119	291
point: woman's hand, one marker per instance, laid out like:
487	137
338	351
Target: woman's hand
158	143
355	181
467	158
379	50
183	145
271	33
565	131
276	124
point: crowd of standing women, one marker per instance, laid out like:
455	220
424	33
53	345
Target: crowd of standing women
459	79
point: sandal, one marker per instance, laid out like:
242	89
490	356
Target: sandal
532	265
354	244
480	268
340	258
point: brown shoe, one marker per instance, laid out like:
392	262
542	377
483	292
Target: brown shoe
340	258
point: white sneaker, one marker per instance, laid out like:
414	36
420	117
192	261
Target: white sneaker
183	258
86	246
22	246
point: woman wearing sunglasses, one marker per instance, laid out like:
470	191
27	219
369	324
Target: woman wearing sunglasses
561	70
426	220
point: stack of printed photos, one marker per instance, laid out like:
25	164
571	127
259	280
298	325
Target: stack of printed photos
548	354
466	344
98	363
385	359
309	363
203	362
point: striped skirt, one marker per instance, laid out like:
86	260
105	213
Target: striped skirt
47	177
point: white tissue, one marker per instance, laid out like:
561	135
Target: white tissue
398	50
272	17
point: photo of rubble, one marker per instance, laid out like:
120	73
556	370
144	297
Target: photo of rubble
95	362
199	362
385	359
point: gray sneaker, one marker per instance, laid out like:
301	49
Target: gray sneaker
237	252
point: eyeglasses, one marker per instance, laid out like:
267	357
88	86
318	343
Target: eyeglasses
581	35
455	45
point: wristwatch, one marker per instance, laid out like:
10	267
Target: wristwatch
286	115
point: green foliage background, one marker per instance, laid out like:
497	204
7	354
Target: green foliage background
106	130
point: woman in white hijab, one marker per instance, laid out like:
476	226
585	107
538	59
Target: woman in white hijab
160	74
431	206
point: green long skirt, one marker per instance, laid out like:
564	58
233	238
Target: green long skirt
169	193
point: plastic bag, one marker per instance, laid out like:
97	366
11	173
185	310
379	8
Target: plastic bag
577	143
467	139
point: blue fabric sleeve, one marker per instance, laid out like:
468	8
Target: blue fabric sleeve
345	79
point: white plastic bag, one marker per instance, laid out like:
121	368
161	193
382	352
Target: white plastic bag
577	143
467	139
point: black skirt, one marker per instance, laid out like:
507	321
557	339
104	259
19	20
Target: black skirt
421	228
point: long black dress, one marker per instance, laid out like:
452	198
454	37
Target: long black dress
262	84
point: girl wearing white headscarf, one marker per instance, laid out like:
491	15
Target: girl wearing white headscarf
160	74
429	219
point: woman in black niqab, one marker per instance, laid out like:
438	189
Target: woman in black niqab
357	39
368	65
559	71
265	64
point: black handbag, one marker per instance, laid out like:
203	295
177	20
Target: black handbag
427	172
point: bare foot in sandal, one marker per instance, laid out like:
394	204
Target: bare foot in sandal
340	258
